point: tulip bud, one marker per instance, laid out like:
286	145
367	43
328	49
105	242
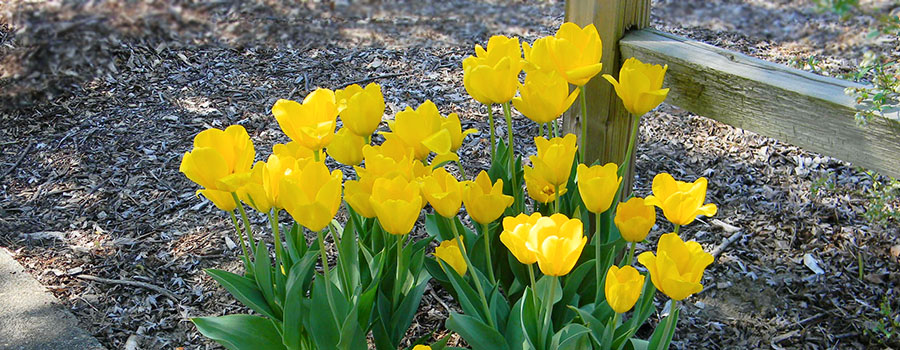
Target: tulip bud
448	251
557	242
677	267
484	202
623	287
598	186
680	201
360	109
640	86
634	219
312	123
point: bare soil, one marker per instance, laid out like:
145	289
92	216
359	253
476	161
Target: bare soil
101	98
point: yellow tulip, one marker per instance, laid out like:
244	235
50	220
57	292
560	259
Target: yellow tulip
491	75
262	192
346	148
680	201
485	202
360	109
623	287
539	188
516	230
452	124
312	195
357	194
677	267
634	219
295	150
544	96
217	156
448	251
553	161
421	347
420	130
598	186
443	192
640	85
312	123
574	53
391	158
557	242
396	202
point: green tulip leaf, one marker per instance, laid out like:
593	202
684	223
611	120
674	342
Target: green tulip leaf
240	332
478	334
244	290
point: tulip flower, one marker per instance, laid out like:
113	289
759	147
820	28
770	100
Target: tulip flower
396	202
677	267
539	188
485	202
598	186
452	124
557	242
294	150
360	109
623	287
312	123
312	195
262	191
216	156
680	201
389	159
544	96
421	347
420	129
491	75
553	161
357	194
634	219
574	53
346	147
516	230
443	192
640	85
448	251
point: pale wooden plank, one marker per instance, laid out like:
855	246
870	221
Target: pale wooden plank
790	105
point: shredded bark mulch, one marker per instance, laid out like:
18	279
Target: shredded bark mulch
101	98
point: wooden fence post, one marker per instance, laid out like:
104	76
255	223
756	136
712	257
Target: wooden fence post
608	123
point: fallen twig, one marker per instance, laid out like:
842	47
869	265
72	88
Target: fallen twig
149	286
721	248
438	298
19	161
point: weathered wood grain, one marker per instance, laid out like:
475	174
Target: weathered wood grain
608	123
790	105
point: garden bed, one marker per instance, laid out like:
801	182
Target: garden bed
100	102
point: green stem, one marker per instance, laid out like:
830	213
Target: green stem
490	112
631	141
325	279
677	228
398	284
507	112
487	249
462	171
368	139
279	249
237	229
556	200
630	257
316	155
547	324
598	245
246	221
583	99
478	287
669	329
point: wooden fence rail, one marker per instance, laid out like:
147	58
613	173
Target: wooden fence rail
790	105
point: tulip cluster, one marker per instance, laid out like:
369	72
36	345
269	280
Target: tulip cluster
573	227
